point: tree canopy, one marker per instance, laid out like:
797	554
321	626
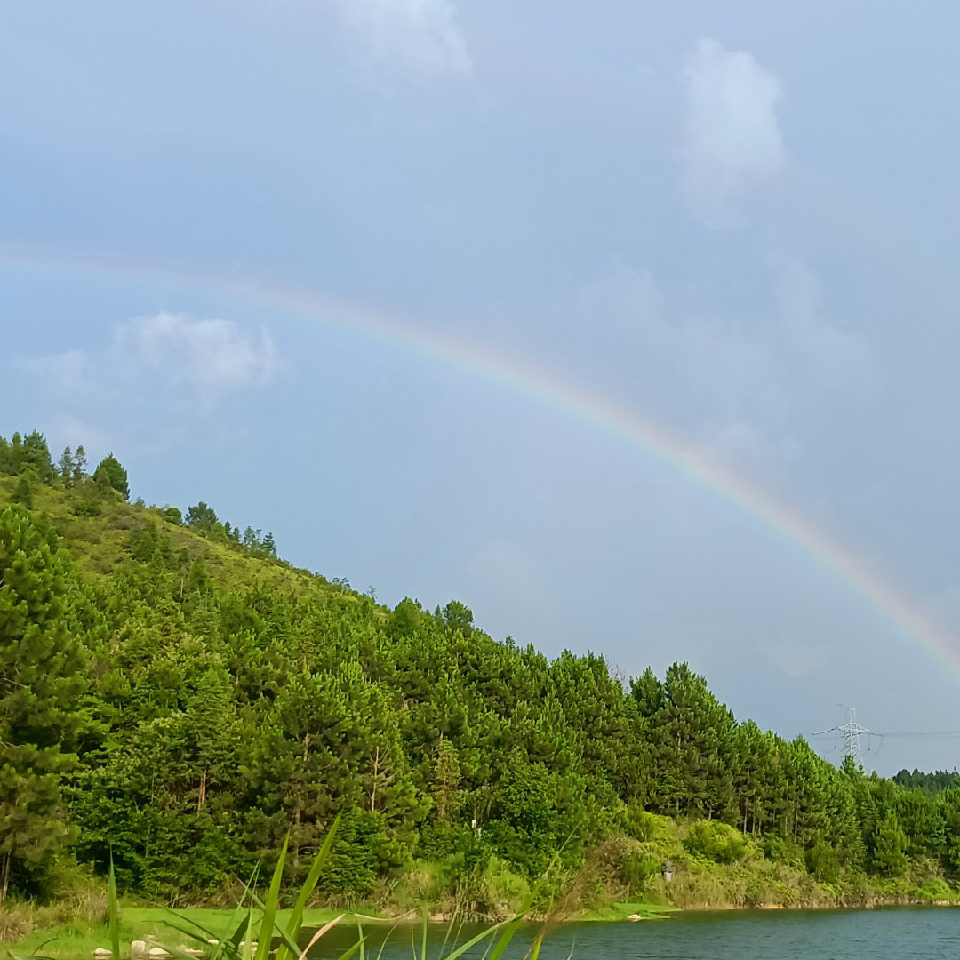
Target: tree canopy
228	698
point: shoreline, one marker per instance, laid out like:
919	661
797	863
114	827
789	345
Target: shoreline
78	939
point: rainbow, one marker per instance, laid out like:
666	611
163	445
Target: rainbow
596	412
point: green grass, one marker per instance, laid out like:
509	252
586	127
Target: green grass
613	912
79	938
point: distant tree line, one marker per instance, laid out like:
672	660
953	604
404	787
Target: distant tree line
931	783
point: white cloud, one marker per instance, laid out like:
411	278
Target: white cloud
65	372
213	355
414	38
151	354
731	133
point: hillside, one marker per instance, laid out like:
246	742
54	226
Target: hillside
204	698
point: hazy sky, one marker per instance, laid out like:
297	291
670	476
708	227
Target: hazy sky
739	221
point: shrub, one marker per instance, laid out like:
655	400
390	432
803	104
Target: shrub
637	870
639	824
715	841
822	861
783	851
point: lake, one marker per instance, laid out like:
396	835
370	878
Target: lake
883	934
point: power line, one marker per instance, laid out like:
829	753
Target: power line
851	731
910	735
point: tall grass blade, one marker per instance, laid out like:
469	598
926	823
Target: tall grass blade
470	944
247	943
323	931
383	945
425	921
271	905
306	891
505	937
349	953
243	931
113	911
537	944
361	940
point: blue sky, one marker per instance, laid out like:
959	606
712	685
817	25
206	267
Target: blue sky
738	221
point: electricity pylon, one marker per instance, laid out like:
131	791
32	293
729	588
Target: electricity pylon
851	731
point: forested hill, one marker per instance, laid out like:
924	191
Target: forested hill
185	699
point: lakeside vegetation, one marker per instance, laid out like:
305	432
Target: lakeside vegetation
176	695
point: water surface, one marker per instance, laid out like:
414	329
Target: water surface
887	934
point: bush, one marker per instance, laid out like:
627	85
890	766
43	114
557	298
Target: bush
822	861
639	824
504	891
715	841
637	870
934	888
783	851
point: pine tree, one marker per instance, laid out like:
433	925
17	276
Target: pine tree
79	465
39	688
446	780
67	468
889	842
23	491
111	474
36	454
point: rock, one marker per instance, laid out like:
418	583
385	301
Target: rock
157	952
102	952
190	951
139	946
214	943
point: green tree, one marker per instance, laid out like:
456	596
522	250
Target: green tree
79	466
173	516
111	475
23	491
691	744
67	468
39	689
202	518
889	843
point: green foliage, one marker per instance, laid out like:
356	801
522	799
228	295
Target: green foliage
823	863
637	870
888	848
929	783
40	669
23	491
715	841
173	515
111	475
23	453
638	823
